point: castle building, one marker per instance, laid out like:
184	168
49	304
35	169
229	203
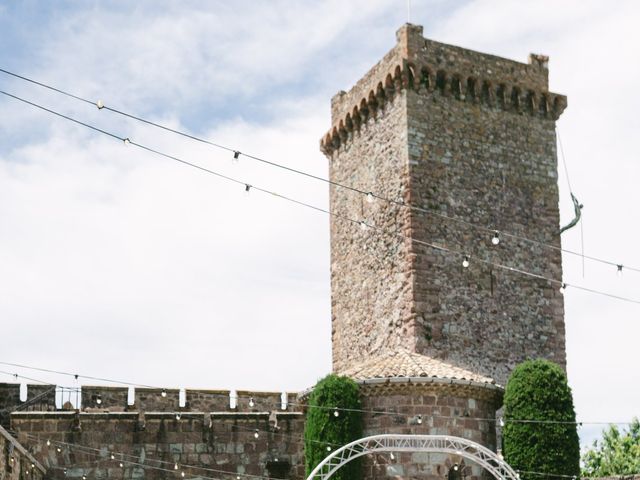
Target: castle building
440	262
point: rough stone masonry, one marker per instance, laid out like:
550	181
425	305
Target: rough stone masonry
446	132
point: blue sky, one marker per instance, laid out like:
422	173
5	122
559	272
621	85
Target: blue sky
121	264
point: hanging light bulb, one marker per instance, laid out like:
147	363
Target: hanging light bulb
563	287
65	472
419	419
495	239
121	465
163	394
501	422
178	416
251	402
455	467
127	142
113	457
12	459
84	477
100	104
619	271
48	442
328	448
58	449
182	473
363	225
392	456
465	261
99	399
370	197
256	433
236	156
175	466
336	413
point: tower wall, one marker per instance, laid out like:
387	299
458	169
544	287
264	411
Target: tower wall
459	134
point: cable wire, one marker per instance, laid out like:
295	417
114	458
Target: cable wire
333	214
237	153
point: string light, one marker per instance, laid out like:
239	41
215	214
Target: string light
121	465
562	288
127	142
247	188
434	246
182	474
619	270
113	457
336	413
64	471
370	197
163	393
99	400
236	154
495	239
363	225
392	456
465	261
178	415
328	448
419	419
256	433
48	442
501	421
251	402
58	449
175	466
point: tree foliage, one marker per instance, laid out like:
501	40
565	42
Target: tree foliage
538	390
323	428
617	454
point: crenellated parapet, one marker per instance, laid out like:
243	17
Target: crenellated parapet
430	69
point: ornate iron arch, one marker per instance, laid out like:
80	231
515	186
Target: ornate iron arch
414	443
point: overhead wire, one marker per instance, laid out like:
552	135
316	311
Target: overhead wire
361	223
100	105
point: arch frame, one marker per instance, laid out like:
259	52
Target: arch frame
467	449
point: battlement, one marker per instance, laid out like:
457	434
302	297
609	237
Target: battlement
432	68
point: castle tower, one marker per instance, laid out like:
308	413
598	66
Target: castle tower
445	132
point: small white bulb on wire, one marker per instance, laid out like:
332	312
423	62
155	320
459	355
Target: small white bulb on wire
619	270
58	449
328	448
247	189
182	474
251	402
84	477
48	442
336	413
176	466
495	239
163	394
100	104
501	421
465	261
127	142
256	434
562	288
370	197
65	472
363	225
99	399
419	419
113	457
178	416
121	465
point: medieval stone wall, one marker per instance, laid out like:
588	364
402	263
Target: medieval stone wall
16	463
428	409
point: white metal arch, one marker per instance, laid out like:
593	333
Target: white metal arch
414	443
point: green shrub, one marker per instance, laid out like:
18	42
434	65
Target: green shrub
538	390
324	429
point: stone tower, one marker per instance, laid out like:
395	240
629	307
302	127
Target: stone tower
446	132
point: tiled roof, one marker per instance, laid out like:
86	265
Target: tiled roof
403	363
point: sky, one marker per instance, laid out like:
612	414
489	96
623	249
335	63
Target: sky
120	264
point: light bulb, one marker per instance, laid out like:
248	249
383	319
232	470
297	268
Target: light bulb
455	467
11	459
113	457
121	465
99	400
175	466
251	402
58	449
236	156
496	238
328	448
48	442
127	142
465	261
256	434
336	413
182	474
178	416
84	477
419	419
392	456
100	104
363	225
370	197
563	287
164	392
619	271
65	472
501	422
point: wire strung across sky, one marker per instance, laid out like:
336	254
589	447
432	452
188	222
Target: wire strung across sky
361	223
329	409
370	194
